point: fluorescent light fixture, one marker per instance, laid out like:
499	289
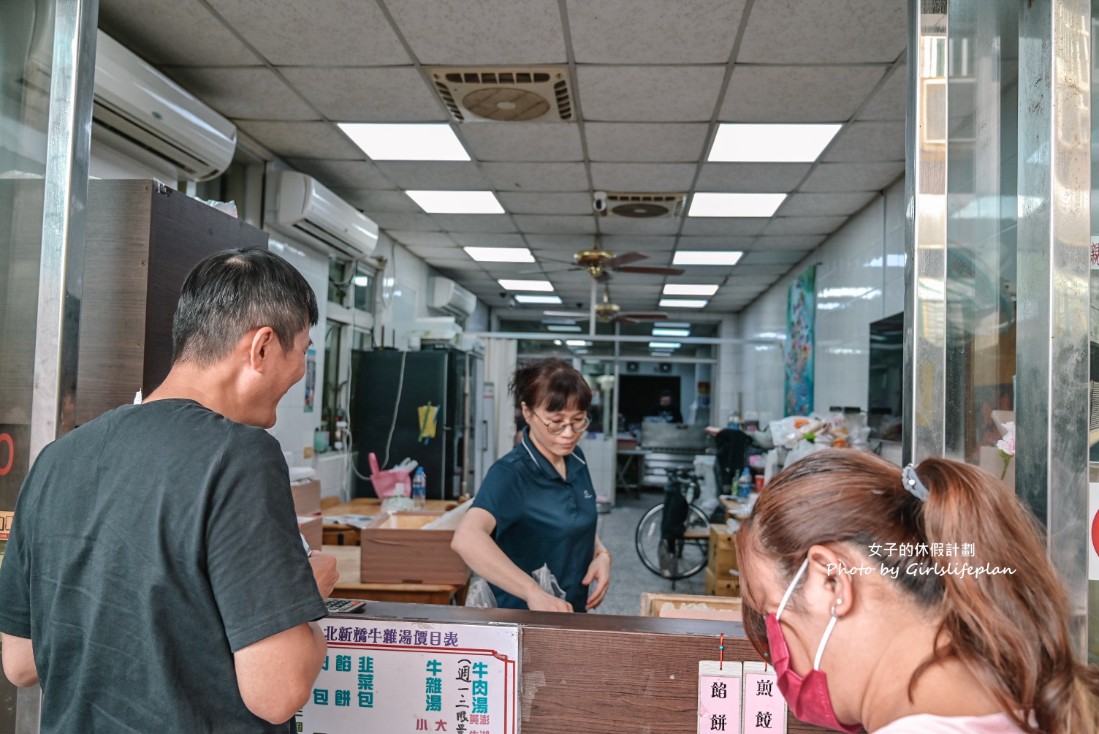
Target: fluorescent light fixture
673	325
661	353
538	286
406	142
557	342
457	202
739	143
734	205
577	343
707	257
670	332
844	292
683	303
529	300
562	328
664	345
500	254
688	289
361	281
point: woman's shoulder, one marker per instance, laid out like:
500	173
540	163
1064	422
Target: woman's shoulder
932	724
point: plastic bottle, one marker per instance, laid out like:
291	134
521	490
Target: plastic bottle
744	484
419	488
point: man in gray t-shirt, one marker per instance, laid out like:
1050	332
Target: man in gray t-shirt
155	579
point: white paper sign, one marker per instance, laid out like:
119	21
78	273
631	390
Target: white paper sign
396	677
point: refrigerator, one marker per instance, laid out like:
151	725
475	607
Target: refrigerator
388	390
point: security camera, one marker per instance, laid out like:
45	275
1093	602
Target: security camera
599	201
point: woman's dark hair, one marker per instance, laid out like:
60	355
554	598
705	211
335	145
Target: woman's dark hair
1010	630
232	292
553	383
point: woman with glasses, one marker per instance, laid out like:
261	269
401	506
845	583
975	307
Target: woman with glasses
915	601
536	505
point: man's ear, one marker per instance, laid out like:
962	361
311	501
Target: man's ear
263	341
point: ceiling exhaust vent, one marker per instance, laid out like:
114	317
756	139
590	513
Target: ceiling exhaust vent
645	206
505	95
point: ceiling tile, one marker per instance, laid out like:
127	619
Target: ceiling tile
727	226
642	177
392	94
522	141
155	36
434	175
250	93
839	31
772	257
402	221
810	205
890	99
803	225
628	32
645	244
645	142
498	223
546	203
426	240
521	31
649	93
558	243
866	176
485	239
868	141
629	226
555	225
317	33
714	243
377	201
536	176
301	139
751	177
345	174
815	93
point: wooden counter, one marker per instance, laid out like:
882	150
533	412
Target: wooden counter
340	534
350	587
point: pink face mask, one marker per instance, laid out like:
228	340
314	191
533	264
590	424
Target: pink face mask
807	697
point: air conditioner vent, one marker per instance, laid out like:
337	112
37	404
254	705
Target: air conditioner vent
504	95
645	206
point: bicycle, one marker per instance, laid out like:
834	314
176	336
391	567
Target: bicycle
673	537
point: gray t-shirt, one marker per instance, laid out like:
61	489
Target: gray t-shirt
148	546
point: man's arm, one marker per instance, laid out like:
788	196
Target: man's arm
275	675
19	664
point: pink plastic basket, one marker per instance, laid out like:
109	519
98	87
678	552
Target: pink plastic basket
385	482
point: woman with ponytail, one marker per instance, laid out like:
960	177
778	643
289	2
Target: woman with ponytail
910	602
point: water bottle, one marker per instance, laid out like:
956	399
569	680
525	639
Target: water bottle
744	484
419	488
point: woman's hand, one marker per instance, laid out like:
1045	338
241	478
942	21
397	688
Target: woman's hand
540	601
599	573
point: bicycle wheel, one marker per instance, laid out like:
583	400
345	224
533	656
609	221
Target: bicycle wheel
674	559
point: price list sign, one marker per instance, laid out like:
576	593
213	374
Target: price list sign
408	677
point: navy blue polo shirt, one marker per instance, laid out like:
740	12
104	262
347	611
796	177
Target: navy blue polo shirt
542	518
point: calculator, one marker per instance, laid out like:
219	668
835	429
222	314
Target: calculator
344	606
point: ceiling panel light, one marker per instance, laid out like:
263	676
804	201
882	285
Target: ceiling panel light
674	325
457	202
683	303
664	345
657	331
689	289
537	286
540	300
739	143
707	257
500	254
406	142
734	205
564	328
577	343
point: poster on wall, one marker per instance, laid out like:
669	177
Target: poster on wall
396	676
801	308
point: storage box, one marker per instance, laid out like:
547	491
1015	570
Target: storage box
722	550
307	497
311	526
723	584
690	606
396	549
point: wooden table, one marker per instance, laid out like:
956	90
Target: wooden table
340	534
349	586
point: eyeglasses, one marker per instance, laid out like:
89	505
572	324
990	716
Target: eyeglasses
556	428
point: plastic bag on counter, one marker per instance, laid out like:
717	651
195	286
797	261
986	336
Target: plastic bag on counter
480	594
548	581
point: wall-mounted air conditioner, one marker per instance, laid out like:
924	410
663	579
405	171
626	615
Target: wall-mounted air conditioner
451	298
298	205
141	112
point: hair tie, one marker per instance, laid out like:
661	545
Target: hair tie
913	484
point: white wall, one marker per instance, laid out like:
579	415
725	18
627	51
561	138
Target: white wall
866	260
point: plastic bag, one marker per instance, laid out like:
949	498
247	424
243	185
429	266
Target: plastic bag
548	581
480	593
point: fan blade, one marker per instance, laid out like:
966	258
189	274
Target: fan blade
650	270
635	317
568	314
624	259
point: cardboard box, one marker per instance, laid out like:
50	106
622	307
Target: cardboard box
690	606
307	497
726	584
396	549
311	526
722	550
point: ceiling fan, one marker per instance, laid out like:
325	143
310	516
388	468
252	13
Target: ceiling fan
610	312
601	263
